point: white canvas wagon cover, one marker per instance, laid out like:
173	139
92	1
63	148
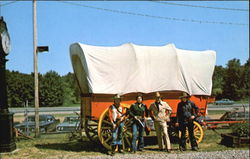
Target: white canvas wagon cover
133	68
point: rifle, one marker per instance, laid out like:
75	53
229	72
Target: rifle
140	122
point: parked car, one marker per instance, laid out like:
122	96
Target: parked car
69	124
47	123
224	102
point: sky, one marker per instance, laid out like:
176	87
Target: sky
60	24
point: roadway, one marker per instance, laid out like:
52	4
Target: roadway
68	110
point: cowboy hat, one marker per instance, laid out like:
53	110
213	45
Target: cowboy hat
117	96
185	95
157	95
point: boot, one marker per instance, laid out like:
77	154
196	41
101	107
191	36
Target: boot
113	150
120	149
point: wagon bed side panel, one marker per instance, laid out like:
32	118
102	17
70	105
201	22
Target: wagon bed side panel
98	103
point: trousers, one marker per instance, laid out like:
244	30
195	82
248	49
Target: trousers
137	127
190	127
162	135
117	135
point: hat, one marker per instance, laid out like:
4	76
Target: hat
185	95
117	96
157	94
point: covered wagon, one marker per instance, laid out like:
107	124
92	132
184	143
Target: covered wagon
129	69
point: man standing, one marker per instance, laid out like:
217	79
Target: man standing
116	117
138	111
160	112
186	113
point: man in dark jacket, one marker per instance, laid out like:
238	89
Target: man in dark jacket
138	111
186	113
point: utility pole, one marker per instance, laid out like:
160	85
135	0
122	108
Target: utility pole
37	134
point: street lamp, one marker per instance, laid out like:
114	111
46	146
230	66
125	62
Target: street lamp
42	49
7	142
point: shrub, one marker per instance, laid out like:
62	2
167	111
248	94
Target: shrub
241	129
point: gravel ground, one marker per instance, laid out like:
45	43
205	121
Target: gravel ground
228	154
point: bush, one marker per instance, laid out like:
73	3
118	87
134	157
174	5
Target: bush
241	129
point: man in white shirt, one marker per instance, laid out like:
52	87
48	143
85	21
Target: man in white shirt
160	112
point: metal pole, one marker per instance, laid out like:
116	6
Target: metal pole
35	70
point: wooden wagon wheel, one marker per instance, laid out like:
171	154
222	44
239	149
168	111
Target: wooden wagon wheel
105	130
198	133
90	127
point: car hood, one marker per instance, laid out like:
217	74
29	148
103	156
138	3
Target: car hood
70	124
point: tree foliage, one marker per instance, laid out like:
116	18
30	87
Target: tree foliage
19	88
218	81
230	82
71	90
232	87
51	89
54	90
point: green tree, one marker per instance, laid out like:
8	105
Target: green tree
51	89
71	90
218	82
19	88
232	80
245	80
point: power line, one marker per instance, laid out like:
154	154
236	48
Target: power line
8	3
153	16
198	6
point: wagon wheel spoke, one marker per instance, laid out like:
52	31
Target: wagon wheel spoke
127	140
106	128
107	122
92	125
91	129
196	129
197	137
128	133
198	132
108	139
93	135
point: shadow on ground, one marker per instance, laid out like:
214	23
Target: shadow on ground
75	146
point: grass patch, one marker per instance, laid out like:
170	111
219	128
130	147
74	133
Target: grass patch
244	101
211	112
59	146
71	105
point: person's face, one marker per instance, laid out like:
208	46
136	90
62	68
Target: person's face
139	99
184	99
117	102
158	99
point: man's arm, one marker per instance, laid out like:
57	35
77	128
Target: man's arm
146	112
111	115
178	114
196	110
130	111
151	114
168	108
124	113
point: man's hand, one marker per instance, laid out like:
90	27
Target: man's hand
177	124
114	125
192	117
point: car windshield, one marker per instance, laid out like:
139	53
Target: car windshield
70	119
32	118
